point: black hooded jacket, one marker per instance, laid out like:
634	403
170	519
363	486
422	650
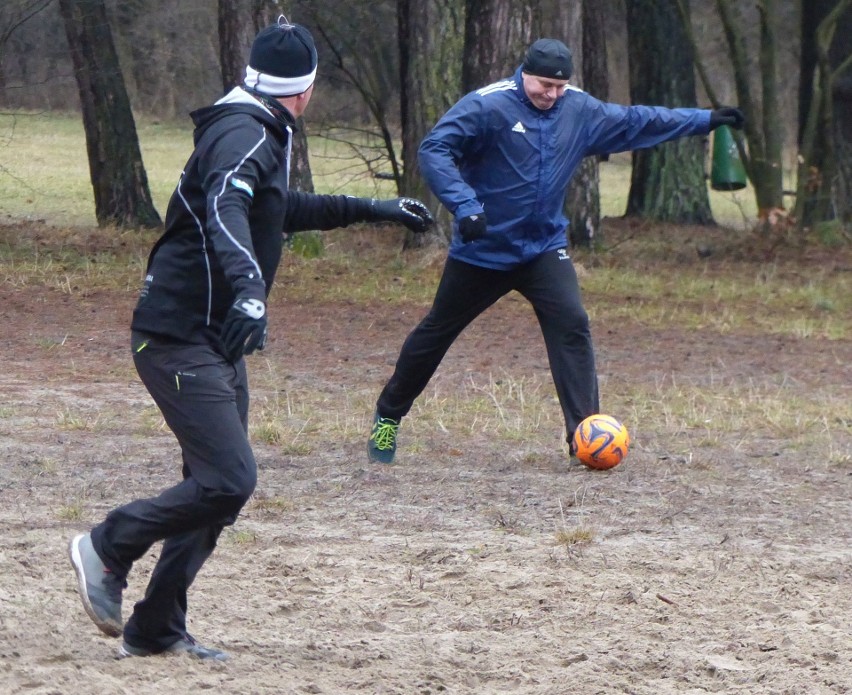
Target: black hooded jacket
225	222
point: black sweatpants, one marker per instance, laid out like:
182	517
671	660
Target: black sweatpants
550	284
204	400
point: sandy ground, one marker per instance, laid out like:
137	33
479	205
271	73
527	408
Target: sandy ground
727	569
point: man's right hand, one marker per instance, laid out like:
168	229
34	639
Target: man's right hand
473	227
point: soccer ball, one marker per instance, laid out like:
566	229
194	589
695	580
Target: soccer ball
601	441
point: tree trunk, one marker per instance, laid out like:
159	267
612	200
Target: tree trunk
667	181
430	50
496	35
122	196
825	111
301	178
237	28
235	38
583	202
358	55
11	17
763	120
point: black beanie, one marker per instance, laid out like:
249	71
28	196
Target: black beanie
549	58
283	60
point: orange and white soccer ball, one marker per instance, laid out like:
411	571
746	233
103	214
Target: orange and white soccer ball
601	441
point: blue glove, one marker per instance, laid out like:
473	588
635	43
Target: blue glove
473	227
727	115
244	329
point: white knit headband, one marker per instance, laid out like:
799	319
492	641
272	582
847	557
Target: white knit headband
278	86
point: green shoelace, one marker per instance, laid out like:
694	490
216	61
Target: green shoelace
384	433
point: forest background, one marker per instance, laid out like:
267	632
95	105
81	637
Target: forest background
389	69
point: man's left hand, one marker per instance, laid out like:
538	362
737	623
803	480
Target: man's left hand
244	329
408	211
727	115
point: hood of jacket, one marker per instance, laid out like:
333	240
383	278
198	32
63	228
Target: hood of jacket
239	101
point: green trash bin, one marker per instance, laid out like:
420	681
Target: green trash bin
728	172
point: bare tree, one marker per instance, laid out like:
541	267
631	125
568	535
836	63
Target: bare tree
496	32
667	181
359	65
120	184
430	55
583	202
238	25
763	125
14	13
236	31
825	111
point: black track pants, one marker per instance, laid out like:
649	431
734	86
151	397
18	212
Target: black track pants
204	400
550	284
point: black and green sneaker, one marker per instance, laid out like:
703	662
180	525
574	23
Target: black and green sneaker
382	443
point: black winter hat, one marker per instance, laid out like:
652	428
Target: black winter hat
283	60
549	58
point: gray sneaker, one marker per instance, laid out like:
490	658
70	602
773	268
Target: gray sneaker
186	645
100	590
382	443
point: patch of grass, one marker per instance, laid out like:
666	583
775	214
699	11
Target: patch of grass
508	522
271	505
281	420
72	419
151	420
505	406
668	416
68	419
725	300
577	535
478	552
307	245
71	512
240	536
296	449
77	262
46	464
51	343
267	432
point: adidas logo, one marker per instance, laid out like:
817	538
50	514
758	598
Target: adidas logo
519	128
559	73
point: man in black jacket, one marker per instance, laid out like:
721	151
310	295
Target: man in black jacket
201	309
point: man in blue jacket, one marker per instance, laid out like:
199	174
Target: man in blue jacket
500	160
201	309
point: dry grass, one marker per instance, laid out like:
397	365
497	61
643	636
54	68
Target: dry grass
727	295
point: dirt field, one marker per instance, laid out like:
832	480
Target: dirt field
710	561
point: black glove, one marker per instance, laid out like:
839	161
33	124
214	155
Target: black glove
244	330
408	211
727	115
473	227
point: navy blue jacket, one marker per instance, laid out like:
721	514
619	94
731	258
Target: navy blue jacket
495	152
